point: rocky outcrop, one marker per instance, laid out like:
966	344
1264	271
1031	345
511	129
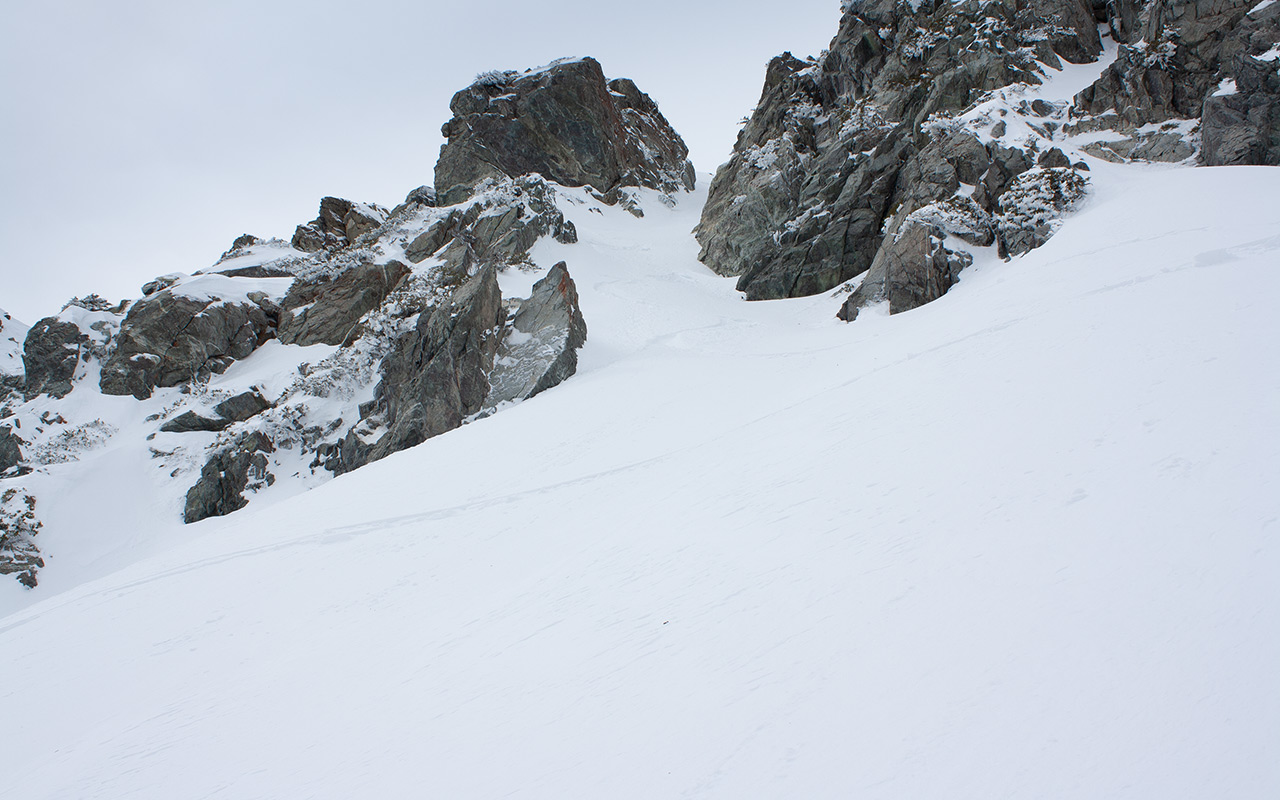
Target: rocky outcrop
227	475
190	421
498	226
169	339
540	349
838	147
243	406
339	224
326	309
19	554
10	451
1030	208
1211	61
1240	120
563	122
1169	70
52	351
911	269
435	376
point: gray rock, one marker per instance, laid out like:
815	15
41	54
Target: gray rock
339	224
541	348
168	340
1168	70
10	452
328	309
227	475
1030	207
563	122
434	377
1243	127
1006	164
1053	157
50	355
243	406
911	269
159	284
499	229
835	146
19	554
189	421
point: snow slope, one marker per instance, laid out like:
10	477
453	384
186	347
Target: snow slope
1020	542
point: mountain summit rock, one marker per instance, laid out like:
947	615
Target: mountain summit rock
564	122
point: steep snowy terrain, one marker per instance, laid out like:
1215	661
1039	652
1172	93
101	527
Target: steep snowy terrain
1019	542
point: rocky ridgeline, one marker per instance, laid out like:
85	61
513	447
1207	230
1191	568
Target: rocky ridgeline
878	166
416	337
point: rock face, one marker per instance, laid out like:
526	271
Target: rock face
541	347
50	355
10	452
325	310
911	269
434	376
169	339
339	224
564	122
243	406
1240	121
499	227
189	421
1166	73
19	554
838	147
227	475
1209	60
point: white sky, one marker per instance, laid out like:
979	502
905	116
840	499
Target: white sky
141	136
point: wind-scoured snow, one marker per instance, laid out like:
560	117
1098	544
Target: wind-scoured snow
1019	542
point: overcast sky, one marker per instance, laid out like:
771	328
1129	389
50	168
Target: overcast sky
141	136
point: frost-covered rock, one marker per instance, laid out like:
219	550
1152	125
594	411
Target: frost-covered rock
838	145
339	224
50	356
19	554
325	309
540	349
564	122
172	338
913	267
1240	123
435	376
1029	210
227	475
10	452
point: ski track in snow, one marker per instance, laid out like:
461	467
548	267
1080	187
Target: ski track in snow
1018	542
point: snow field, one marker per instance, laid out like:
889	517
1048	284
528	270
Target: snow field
1019	542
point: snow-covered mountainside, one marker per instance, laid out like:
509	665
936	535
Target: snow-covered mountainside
530	501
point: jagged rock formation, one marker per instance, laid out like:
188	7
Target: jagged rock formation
227	475
19	555
839	147
326	309
50	355
1209	61
339	224
563	122
541	346
1240	121
406	330
435	376
883	158
169	339
10	451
